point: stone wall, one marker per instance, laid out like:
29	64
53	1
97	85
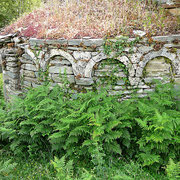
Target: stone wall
25	61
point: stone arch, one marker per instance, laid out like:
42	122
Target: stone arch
111	71
101	56
158	68
152	55
59	52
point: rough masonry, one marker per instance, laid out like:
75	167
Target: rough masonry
25	61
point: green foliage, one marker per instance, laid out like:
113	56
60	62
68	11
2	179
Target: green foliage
27	121
89	121
119	45
158	117
64	169
173	170
92	128
11	9
6	169
111	77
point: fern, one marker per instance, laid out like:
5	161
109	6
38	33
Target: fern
173	170
64	169
6	170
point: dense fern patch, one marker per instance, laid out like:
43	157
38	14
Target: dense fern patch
93	128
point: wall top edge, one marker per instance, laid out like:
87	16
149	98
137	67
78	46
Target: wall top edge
87	41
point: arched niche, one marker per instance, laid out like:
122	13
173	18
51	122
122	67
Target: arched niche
159	68
60	68
110	71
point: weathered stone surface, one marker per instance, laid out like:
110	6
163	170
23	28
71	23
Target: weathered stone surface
14	70
89	68
11	59
57	78
84	81
166	38
84	63
27	83
29	67
32	80
124	60
11	51
24	61
82	55
93	42
99	57
61	70
28	73
74	42
135	58
59	62
158	67
145	49
117	88
12	64
108	73
134	81
12	75
27	57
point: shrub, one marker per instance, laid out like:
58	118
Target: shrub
93	127
6	169
173	170
11	9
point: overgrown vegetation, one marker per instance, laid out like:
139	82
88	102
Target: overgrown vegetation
11	9
97	19
92	133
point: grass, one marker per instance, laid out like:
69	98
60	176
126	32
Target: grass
17	168
94	18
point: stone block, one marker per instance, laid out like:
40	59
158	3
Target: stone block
12	75
74	42
12	64
11	59
28	73
108	73
166	38
99	57
61	70
27	83
27	57
14	70
93	42
29	67
145	49
57	78
82	55
59	62
24	61
84	81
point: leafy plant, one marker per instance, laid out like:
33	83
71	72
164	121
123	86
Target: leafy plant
12	9
173	170
91	128
64	169
6	169
27	122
